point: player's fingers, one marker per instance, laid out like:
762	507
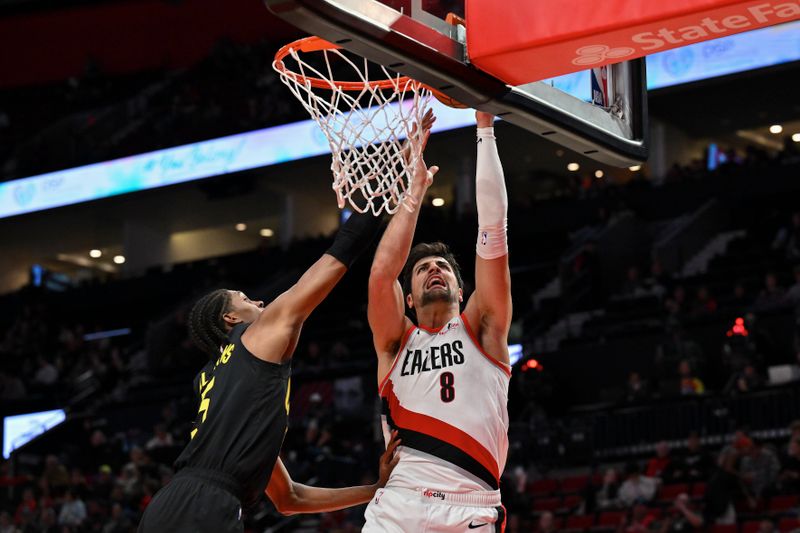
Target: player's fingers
425	137
394	443
433	170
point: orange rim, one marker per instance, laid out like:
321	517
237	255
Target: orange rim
317	44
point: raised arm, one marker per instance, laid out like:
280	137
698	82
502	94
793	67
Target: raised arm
291	497
273	335
489	308
385	310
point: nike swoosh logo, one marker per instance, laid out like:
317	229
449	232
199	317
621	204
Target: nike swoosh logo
476	526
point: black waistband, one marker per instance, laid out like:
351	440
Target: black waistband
218	479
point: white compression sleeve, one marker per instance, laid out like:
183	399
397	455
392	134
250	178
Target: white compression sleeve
491	198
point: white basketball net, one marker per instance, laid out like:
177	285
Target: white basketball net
374	143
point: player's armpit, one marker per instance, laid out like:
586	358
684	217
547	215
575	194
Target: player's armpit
489	309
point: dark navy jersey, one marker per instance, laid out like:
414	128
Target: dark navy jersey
242	416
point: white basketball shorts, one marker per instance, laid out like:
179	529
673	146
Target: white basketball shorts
400	510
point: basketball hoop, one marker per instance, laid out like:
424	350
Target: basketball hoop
370	125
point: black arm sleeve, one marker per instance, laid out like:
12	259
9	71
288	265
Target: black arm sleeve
354	237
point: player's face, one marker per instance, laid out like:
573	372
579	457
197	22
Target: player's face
243	309
433	280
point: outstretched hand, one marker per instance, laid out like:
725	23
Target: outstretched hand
423	176
427	123
388	460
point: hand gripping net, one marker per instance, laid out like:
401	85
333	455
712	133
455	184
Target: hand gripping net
370	125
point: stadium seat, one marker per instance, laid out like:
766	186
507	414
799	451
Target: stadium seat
610	518
670	492
570	503
580	522
546	504
751	526
698	490
574	484
788	524
655	512
782	503
743	507
543	487
724	529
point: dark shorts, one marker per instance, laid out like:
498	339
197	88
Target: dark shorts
193	504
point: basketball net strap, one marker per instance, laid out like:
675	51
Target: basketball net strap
374	142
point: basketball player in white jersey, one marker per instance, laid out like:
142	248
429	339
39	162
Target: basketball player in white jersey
444	381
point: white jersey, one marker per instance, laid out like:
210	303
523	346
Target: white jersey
448	399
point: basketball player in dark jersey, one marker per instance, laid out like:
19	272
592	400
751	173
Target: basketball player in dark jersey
244	404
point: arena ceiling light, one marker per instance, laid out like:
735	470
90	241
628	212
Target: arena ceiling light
776	129
119	259
635	168
266	232
437	202
241	226
95	254
796	137
573	167
598	174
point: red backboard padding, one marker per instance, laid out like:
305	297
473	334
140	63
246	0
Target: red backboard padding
529	40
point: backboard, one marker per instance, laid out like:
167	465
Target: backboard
414	38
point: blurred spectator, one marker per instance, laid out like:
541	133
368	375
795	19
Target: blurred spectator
101	451
546	523
55	474
73	510
772	296
695	464
160	439
6	526
721	492
658	280
640	521
607	496
47	373
793	294
739	300
27	507
789	476
48	522
130	482
118	522
690	384
787	239
759	468
636	390
660	464
674	521
632	287
704	303
11	387
766	526
675	348
637	488
675	304
747	380
312	360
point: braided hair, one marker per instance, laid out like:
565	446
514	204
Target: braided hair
206	326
